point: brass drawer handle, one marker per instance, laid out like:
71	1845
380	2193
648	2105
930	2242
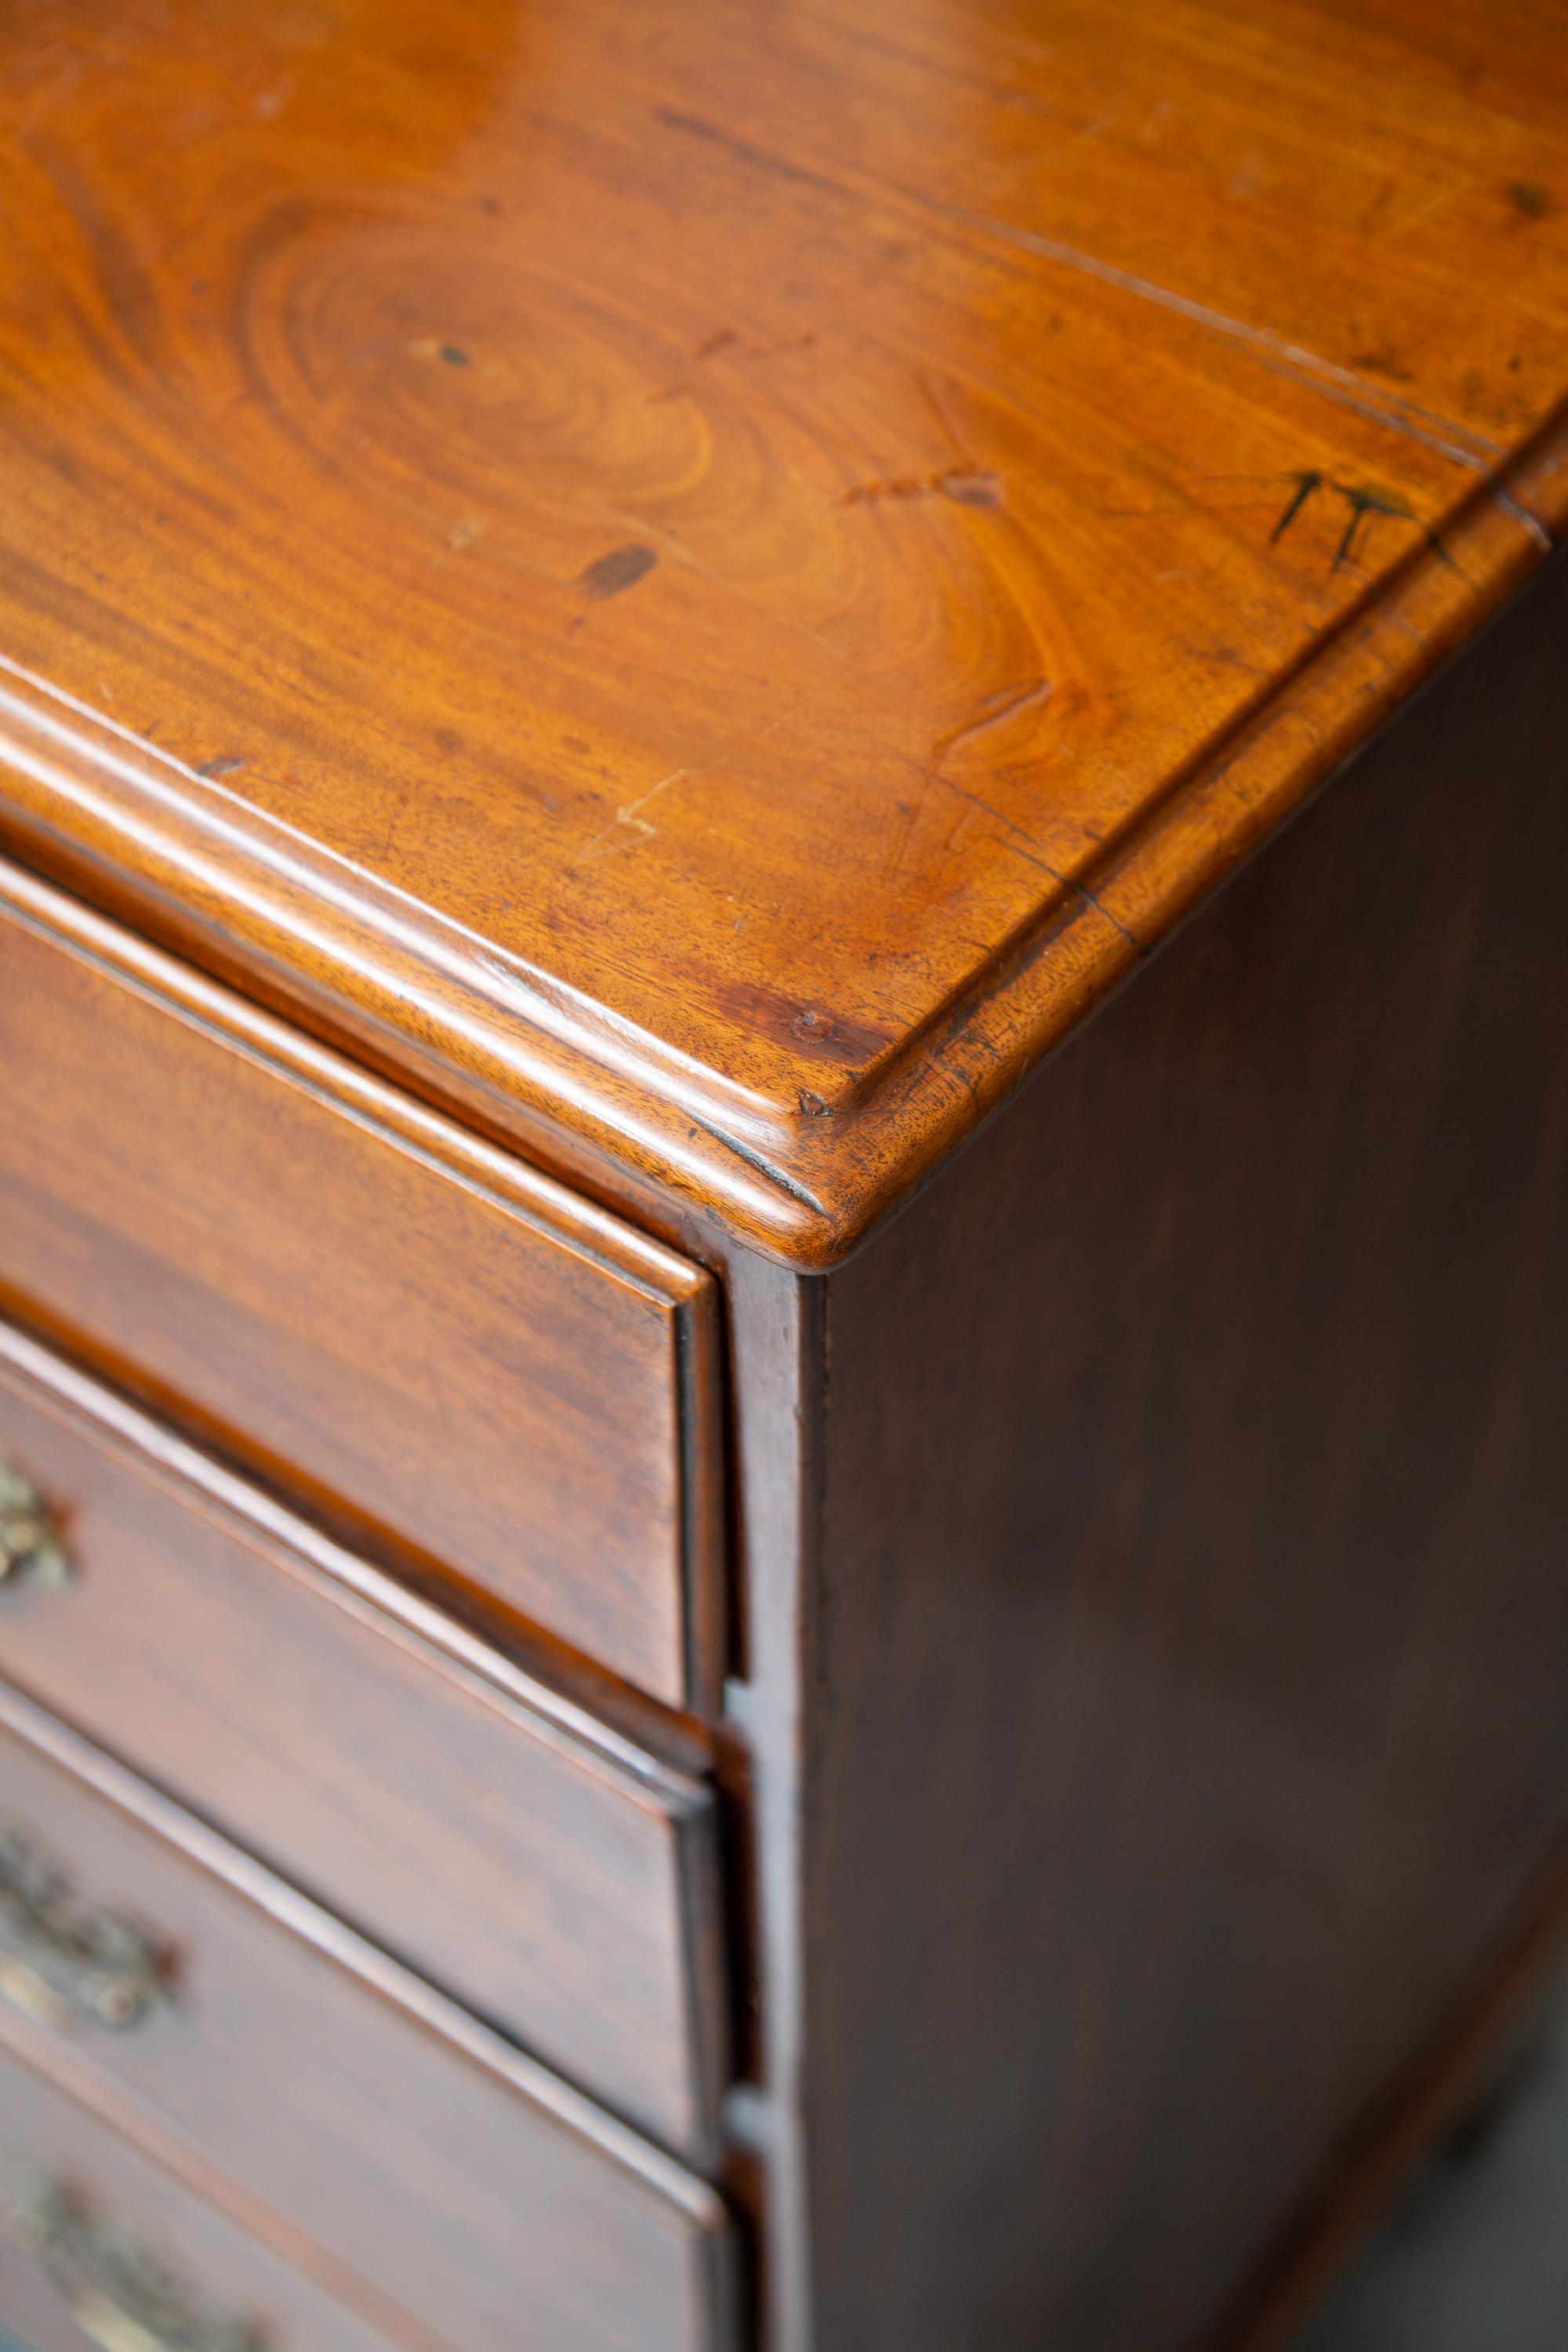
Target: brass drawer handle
64	1963
28	1546
115	2290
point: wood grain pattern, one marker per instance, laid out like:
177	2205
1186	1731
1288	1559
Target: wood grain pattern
44	2133
556	1879
1186	1651
419	1335
455	2178
703	585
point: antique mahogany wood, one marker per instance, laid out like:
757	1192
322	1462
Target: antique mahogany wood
357	1296
47	2137
454	2176
559	1879
1184	1712
703	583
696	586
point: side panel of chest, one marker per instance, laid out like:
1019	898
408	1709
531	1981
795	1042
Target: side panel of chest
1190	1655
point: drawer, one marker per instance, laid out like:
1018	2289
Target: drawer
101	2244
422	1337
444	2170
551	1876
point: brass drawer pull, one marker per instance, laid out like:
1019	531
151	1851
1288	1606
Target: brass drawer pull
64	1963
28	1546
117	2293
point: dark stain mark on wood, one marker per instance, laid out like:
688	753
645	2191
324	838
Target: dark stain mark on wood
454	354
1362	499
1305	483
808	1028
817	1027
223	766
1384	362
971	486
621	569
1529	198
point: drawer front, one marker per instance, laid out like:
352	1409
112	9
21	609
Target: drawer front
556	1880
452	2175
99	2244
418	1333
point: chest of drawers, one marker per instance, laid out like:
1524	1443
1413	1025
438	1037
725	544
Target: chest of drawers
783	1165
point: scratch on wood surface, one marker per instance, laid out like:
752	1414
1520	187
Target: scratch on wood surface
683	554
1019	837
1525	519
941	1056
1404	621
631	818
1103	911
1461	444
665	538
944	417
1023	844
996	712
1437	201
993	711
697	126
726	340
775	1175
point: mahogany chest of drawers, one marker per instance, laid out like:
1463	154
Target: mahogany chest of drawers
783	1241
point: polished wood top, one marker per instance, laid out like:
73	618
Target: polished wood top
701	580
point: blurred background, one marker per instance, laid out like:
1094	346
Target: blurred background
1474	2257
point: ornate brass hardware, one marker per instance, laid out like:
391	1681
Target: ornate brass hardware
28	1545
117	2293
64	1963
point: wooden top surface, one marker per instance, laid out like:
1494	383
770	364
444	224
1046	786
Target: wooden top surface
701	578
